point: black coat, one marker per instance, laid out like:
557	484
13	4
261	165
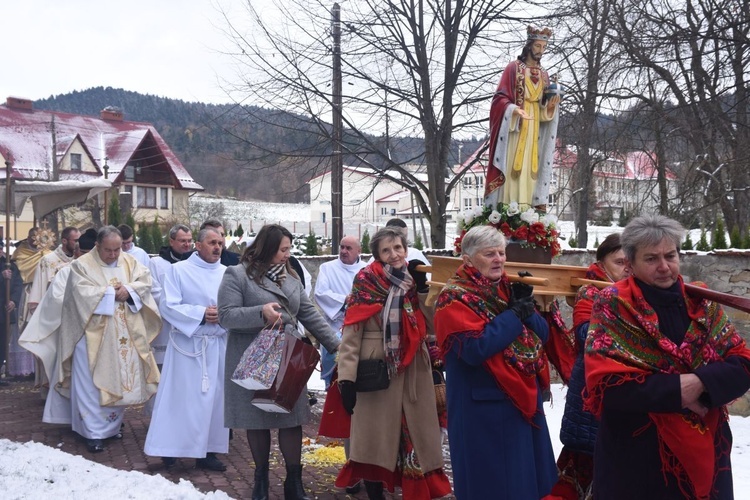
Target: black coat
16	288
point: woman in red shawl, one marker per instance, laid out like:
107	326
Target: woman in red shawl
661	366
491	336
579	427
395	436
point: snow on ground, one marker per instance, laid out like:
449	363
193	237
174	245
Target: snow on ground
32	470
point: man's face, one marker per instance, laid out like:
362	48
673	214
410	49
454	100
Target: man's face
127	244
223	234
109	248
349	250
537	50
657	265
181	242
210	248
71	242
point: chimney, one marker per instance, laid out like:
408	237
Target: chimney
111	113
19	103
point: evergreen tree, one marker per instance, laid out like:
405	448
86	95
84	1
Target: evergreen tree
239	232
144	238
572	241
703	245
720	237
418	242
621	219
746	241
312	244
735	238
130	220
596	242
688	243
366	241
114	217
156	237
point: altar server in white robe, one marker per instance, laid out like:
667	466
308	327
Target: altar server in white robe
188	417
108	321
41	335
334	283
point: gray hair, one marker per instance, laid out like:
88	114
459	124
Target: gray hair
650	230
480	237
106	232
386	233
176	229
204	232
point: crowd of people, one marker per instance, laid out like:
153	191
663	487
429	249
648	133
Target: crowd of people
654	369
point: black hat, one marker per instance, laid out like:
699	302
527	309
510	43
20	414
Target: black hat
87	241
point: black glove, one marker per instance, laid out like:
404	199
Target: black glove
420	278
522	298
348	395
520	290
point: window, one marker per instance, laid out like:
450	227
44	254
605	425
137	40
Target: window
467	202
479	202
163	197
480	182
129	173
146	197
383	211
75	161
467	181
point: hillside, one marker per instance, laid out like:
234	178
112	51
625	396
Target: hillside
228	148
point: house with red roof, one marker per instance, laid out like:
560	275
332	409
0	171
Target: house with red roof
47	145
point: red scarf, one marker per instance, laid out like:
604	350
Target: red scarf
624	344
367	299
586	294
467	303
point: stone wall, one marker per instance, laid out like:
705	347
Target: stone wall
723	271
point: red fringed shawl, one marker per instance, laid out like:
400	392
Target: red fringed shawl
561	345
624	344
586	295
367	298
467	303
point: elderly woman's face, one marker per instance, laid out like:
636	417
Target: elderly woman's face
490	261
615	266
284	251
657	265
392	252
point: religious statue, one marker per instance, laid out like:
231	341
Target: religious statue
523	127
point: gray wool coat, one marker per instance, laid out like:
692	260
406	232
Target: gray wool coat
240	303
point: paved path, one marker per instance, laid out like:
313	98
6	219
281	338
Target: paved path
21	420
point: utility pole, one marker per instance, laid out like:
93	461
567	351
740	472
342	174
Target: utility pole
106	200
337	161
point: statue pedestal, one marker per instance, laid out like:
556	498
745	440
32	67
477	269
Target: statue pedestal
528	255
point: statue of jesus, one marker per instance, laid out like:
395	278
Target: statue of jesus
523	127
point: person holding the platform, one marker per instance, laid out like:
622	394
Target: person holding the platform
579	427
661	367
523	127
188	417
333	285
260	292
395	434
491	337
108	322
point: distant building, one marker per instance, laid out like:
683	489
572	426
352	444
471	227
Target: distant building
146	175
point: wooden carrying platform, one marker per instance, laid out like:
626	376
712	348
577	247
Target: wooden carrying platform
548	280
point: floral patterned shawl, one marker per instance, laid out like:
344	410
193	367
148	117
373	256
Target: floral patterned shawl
370	292
468	302
624	344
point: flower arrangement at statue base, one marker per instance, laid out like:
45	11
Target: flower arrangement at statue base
531	228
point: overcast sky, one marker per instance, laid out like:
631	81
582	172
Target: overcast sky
169	48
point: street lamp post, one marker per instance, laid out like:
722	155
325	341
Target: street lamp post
106	192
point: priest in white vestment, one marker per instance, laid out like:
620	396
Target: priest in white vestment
108	321
41	336
334	283
188	417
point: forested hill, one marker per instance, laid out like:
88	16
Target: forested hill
197	133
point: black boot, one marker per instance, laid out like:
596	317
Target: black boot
293	489
260	488
374	490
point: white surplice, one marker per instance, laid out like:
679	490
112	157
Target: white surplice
331	289
188	416
159	266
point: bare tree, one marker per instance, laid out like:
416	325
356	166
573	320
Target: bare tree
688	62
411	68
